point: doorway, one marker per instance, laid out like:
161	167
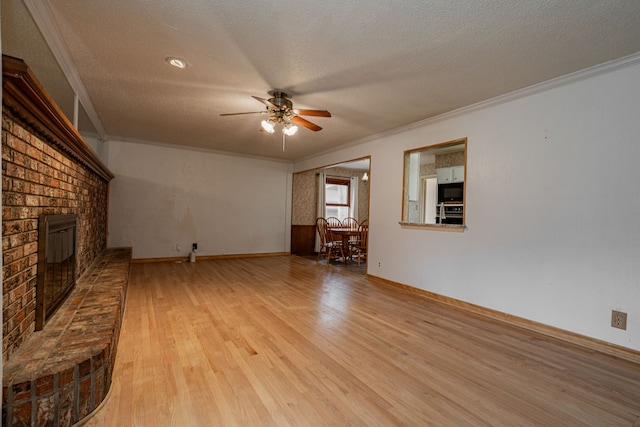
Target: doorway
304	204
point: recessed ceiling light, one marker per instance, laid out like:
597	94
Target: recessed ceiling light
176	62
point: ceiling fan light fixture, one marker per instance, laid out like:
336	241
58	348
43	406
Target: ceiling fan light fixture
267	126
290	129
280	110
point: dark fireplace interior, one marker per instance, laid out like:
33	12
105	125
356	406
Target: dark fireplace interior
56	264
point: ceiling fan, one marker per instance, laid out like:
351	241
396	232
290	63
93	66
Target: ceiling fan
280	110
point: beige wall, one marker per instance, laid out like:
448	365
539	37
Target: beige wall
163	199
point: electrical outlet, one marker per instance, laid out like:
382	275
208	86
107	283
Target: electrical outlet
178	248
194	246
618	319
174	248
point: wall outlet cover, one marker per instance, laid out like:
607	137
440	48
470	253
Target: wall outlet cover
618	319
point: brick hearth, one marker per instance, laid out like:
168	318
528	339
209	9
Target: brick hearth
61	374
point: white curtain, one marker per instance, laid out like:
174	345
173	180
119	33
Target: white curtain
353	203
322	179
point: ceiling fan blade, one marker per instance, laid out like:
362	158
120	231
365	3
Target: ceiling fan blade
306	123
265	102
238	114
317	113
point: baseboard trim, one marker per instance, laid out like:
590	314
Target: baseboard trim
209	257
551	331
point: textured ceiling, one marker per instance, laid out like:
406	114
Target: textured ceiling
374	64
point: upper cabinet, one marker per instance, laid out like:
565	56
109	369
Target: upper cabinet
450	174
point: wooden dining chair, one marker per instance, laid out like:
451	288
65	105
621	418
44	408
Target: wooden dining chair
334	222
363	223
352	224
361	246
329	247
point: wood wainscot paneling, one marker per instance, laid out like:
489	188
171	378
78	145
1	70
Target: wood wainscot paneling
303	240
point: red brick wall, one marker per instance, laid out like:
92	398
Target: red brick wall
40	178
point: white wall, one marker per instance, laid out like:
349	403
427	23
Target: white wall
97	146
553	205
162	196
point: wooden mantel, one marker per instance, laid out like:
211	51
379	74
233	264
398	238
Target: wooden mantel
24	95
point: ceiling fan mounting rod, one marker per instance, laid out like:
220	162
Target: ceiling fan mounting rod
281	101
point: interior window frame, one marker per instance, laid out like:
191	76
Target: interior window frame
404	222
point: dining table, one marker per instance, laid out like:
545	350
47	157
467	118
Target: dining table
346	233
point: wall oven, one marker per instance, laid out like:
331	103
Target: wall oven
450	213
450	209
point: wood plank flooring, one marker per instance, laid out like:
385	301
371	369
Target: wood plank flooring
283	341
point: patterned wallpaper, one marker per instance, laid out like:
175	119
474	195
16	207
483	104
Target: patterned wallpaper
428	169
450	159
442	161
305	195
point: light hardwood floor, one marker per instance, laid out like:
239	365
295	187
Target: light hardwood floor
283	341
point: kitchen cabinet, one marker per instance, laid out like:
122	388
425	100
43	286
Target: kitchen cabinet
450	174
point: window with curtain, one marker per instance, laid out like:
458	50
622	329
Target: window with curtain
337	197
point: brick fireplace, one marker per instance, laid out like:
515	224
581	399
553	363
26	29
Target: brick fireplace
47	169
54	188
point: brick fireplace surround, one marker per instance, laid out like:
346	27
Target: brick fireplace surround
61	374
48	169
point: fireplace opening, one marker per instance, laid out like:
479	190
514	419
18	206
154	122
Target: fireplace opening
57	247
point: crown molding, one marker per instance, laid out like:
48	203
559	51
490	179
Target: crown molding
606	67
171	146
